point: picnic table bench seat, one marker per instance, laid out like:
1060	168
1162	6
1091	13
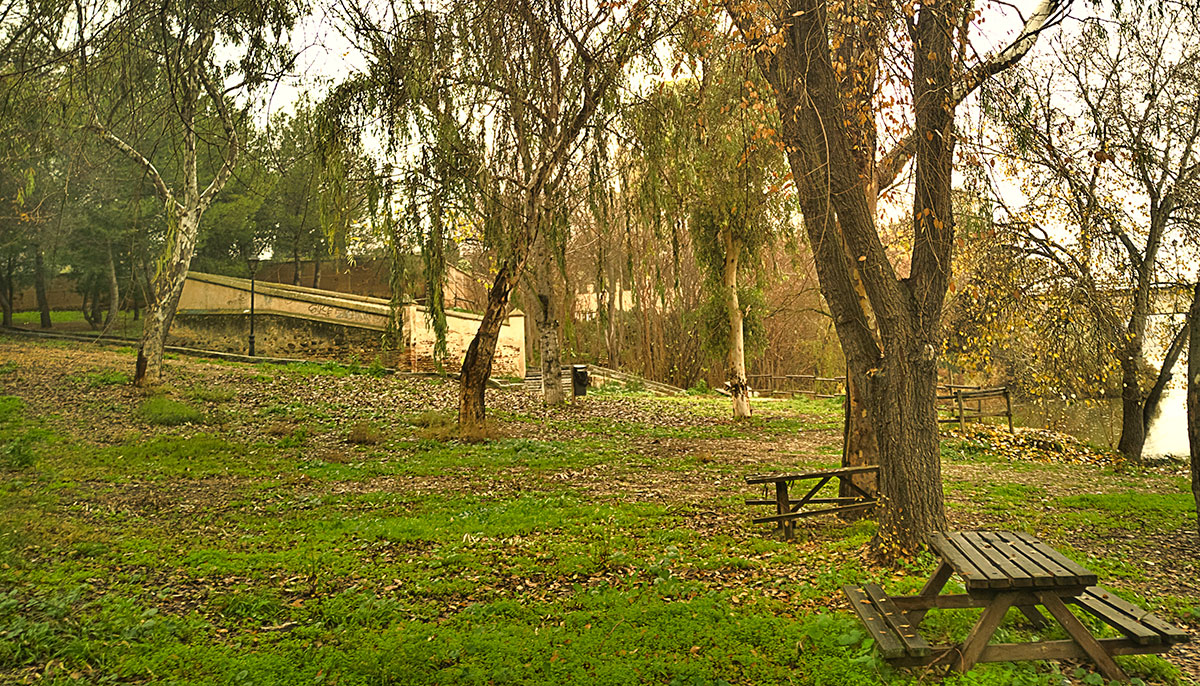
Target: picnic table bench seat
894	635
1140	626
788	509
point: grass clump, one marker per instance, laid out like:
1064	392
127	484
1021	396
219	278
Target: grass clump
105	377
435	426
16	453
163	411
212	395
364	433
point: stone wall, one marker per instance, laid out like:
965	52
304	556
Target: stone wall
293	321
278	336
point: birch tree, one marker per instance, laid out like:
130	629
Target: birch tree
200	54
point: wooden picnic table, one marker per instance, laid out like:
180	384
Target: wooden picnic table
1000	570
787	511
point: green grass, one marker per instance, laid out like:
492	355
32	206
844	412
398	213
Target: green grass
56	317
273	550
164	411
104	377
211	394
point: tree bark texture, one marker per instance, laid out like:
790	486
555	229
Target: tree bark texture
1193	397
114	292
547	318
39	287
167	287
895	366
477	363
736	376
859	447
1133	428
7	293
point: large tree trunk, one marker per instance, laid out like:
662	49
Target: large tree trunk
739	391
1193	397
1133	428
897	369
7	293
902	396
546	318
859	448
316	280
167	287
39	286
477	363
296	264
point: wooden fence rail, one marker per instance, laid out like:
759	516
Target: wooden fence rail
966	403
791	384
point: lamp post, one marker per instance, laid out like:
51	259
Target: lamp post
253	262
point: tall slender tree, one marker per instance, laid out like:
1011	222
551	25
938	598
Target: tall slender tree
199	54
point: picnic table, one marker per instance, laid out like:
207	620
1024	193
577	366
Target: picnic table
787	511
1001	570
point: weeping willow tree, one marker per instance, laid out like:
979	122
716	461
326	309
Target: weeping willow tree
485	106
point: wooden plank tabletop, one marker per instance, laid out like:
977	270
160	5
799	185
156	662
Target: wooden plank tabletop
839	471
1004	560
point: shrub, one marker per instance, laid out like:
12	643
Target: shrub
166	412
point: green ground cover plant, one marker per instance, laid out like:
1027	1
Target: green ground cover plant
604	543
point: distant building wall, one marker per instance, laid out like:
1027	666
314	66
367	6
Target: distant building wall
294	320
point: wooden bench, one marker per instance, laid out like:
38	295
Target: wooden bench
1002	570
894	635
788	510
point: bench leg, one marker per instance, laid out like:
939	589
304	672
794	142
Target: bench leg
1076	630
783	506
982	632
932	587
1035	617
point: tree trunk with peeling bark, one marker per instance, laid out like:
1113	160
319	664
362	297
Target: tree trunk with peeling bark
546	317
160	313
739	391
1193	397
